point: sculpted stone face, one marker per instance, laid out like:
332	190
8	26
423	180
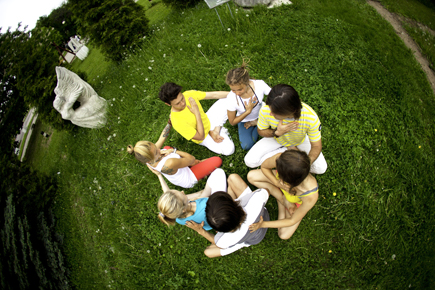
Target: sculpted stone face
70	89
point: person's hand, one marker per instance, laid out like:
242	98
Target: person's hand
250	104
166	152
153	170
291	209
282	129
193	106
216	136
197	162
256	226
251	124
195	226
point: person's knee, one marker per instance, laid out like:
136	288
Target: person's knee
250	162
228	149
283	236
252	176
319	168
247	144
233	178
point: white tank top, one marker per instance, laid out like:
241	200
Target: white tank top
184	176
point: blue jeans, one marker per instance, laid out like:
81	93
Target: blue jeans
247	137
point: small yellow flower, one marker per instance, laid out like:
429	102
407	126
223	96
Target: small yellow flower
334	194
419	146
376	130
330	251
270	77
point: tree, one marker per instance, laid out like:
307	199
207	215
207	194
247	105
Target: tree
30	249
28	61
115	26
181	4
60	19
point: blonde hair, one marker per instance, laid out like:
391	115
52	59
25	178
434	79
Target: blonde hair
238	75
142	151
170	207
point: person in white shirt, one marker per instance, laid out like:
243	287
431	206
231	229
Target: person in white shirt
244	103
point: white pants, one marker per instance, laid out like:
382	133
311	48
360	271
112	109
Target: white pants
217	181
217	114
267	147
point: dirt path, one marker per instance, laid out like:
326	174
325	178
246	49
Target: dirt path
395	21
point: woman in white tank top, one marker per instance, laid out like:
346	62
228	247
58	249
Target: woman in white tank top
180	168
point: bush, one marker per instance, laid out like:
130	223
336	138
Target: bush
181	4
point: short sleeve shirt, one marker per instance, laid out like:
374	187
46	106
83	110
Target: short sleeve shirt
199	215
309	124
184	122
235	103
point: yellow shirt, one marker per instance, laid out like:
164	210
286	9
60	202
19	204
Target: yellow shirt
309	124
184	122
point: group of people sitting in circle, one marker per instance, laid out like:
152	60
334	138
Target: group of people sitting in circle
289	152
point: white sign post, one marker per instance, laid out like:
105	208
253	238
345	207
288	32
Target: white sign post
214	3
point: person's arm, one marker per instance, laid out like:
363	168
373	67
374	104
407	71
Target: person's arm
164	134
266	168
298	215
173	164
199	125
281	129
249	105
200	230
215	95
316	148
165	187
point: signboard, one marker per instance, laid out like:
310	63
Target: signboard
214	3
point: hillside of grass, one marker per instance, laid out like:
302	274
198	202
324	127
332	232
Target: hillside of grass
373	224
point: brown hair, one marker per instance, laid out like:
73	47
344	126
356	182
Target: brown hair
284	100
142	151
223	213
293	167
238	75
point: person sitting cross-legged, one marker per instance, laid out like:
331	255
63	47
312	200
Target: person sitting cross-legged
230	214
188	117
286	122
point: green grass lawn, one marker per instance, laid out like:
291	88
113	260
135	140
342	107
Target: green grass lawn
372	227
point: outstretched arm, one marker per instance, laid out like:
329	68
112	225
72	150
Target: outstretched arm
216	95
165	187
200	230
316	148
164	134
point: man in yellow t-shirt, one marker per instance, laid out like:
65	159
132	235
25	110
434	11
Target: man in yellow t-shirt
188	117
287	123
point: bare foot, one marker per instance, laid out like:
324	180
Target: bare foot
216	136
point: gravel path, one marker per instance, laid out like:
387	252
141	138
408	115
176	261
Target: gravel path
395	21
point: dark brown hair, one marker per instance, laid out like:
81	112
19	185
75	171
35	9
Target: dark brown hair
284	100
293	167
223	213
169	92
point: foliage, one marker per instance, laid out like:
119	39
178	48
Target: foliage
181	4
420	10
62	20
373	224
30	248
30	60
116	27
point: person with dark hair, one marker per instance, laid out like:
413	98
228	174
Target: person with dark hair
188	117
294	188
287	123
230	214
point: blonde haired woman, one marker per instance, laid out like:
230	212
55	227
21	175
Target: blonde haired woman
180	168
244	103
177	207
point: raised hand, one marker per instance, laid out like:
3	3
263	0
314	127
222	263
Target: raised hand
282	129
153	170
193	108
250	104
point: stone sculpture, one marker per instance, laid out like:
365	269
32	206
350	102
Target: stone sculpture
70	89
78	47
